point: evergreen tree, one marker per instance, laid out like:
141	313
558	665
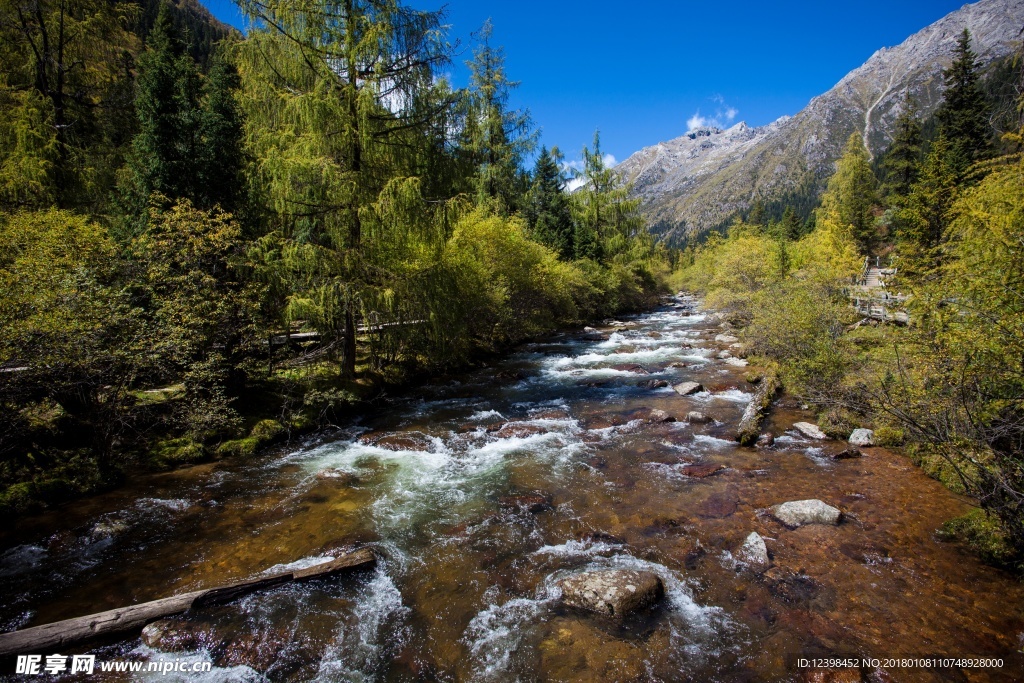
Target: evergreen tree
963	114
498	138
902	162
220	165
548	205
850	198
607	220
791	226
166	153
921	221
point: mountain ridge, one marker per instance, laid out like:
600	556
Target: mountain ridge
694	183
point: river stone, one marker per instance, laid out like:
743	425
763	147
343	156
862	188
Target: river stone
518	430
612	592
687	388
631	367
726	339
175	635
809	430
702	471
697	418
862	437
766	440
799	512
754	552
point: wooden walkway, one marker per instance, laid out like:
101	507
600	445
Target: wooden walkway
871	299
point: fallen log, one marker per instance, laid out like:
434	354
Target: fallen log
750	424
72	632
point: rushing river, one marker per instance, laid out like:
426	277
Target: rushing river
480	494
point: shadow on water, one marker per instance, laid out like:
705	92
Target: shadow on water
482	493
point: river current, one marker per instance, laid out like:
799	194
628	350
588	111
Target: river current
480	493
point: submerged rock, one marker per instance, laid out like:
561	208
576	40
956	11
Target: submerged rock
862	437
688	388
811	431
845	453
702	471
176	635
652	383
754	552
518	430
631	367
800	512
651	416
533	503
612	592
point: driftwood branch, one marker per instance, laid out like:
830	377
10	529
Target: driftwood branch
72	632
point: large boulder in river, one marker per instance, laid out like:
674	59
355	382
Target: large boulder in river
862	437
800	512
687	388
612	592
811	431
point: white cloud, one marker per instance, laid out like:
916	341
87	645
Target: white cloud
723	117
609	160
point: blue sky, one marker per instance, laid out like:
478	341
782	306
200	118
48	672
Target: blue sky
641	70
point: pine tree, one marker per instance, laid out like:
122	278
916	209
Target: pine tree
850	198
902	162
548	205
921	221
963	114
498	138
166	152
221	161
791	225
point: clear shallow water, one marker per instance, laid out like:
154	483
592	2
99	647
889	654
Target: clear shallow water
467	586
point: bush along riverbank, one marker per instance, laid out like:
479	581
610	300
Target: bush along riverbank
944	384
505	289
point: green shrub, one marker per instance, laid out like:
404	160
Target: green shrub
983	535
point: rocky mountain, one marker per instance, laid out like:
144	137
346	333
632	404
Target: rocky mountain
695	182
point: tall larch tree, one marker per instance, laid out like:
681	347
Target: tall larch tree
851	195
332	96
498	138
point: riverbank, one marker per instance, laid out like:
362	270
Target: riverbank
296	399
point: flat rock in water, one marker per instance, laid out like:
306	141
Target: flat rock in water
862	437
702	471
518	430
651	416
800	512
612	592
717	506
397	441
845	453
809	430
687	388
697	418
631	367
754	552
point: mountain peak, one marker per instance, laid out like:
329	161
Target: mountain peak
697	181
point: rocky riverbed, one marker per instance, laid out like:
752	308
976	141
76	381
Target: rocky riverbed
580	511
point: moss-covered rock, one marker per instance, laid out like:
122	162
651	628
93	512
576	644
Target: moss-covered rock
983	535
180	451
263	433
